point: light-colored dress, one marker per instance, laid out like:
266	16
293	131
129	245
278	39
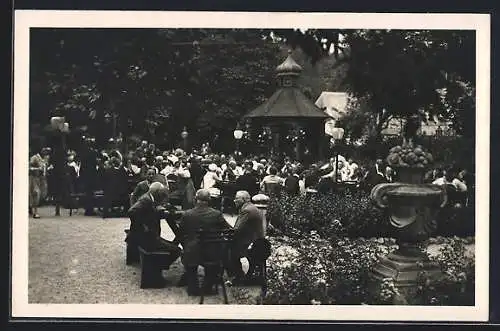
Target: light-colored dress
37	180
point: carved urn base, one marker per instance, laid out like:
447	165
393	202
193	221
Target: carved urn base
404	271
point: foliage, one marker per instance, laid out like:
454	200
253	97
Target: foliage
311	270
400	72
447	151
457	285
351	213
331	215
156	80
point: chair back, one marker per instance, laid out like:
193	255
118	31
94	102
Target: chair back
214	245
272	189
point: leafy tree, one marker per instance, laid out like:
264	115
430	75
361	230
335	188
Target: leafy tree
400	73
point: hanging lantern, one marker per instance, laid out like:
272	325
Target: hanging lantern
238	134
184	133
57	122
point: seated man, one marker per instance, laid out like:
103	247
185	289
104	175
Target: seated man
145	215
249	228
143	186
192	221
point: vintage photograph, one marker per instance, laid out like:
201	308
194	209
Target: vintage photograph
251	166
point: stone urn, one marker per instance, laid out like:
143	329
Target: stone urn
412	208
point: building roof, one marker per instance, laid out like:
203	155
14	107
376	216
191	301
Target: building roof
333	103
287	102
289	66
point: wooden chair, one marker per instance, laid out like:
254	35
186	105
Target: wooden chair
215	249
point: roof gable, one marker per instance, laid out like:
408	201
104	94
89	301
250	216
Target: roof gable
333	103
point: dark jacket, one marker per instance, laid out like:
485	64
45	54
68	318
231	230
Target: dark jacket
193	220
249	227
248	182
145	221
292	184
116	184
197	173
141	188
312	179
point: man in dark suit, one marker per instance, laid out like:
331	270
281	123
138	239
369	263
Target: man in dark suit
145	215
292	182
201	217
249	227
248	181
143	186
115	188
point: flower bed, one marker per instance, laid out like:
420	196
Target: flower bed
310	270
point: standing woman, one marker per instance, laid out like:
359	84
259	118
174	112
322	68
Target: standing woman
37	181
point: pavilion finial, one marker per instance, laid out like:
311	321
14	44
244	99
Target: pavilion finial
289	66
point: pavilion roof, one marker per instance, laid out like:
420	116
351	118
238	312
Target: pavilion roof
288	102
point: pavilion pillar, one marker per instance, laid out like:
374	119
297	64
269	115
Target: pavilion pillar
276	140
297	149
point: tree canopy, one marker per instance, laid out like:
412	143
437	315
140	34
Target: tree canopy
156	81
402	72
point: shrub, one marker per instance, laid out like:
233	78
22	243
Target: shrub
351	213
457	286
312	270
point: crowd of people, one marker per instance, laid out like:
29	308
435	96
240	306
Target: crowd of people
122	179
145	180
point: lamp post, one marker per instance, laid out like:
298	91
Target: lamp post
184	136
238	134
61	127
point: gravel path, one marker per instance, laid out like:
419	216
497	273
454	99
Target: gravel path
82	260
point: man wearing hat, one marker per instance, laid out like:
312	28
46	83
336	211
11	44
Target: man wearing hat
195	219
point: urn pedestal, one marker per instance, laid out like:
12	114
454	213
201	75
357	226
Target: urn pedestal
412	208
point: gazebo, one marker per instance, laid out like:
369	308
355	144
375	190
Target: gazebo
288	108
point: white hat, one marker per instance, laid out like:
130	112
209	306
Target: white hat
173	158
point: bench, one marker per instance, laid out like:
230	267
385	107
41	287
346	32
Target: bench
154	261
132	251
74	201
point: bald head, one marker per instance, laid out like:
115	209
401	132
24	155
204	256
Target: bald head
158	191
203	196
